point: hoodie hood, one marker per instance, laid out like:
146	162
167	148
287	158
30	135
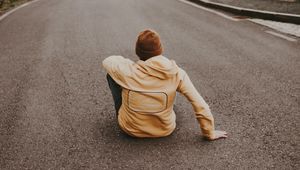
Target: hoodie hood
159	66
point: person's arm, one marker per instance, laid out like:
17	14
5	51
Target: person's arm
118	68
201	108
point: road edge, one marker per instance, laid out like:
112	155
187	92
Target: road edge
2	17
268	15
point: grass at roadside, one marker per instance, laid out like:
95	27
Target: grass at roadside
6	5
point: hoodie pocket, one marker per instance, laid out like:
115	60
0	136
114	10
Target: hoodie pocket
147	102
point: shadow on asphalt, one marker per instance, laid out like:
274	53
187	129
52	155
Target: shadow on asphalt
107	129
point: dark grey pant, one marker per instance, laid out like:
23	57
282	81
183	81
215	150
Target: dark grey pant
116	91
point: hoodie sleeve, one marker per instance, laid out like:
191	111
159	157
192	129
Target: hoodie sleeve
201	108
118	68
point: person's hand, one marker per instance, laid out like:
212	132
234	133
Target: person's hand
218	134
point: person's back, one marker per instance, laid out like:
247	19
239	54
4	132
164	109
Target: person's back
147	91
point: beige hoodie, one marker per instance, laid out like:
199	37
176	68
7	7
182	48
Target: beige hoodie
148	93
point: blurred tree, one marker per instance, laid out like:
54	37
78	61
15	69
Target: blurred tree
1	3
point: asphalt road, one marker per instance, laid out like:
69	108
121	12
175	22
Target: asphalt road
57	112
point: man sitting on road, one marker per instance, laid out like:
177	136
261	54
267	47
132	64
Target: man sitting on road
144	91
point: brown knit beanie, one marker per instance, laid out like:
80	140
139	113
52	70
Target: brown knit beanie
148	45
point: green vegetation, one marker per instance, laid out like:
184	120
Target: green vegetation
8	4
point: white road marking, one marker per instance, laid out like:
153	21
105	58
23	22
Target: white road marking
281	36
287	28
209	10
15	9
